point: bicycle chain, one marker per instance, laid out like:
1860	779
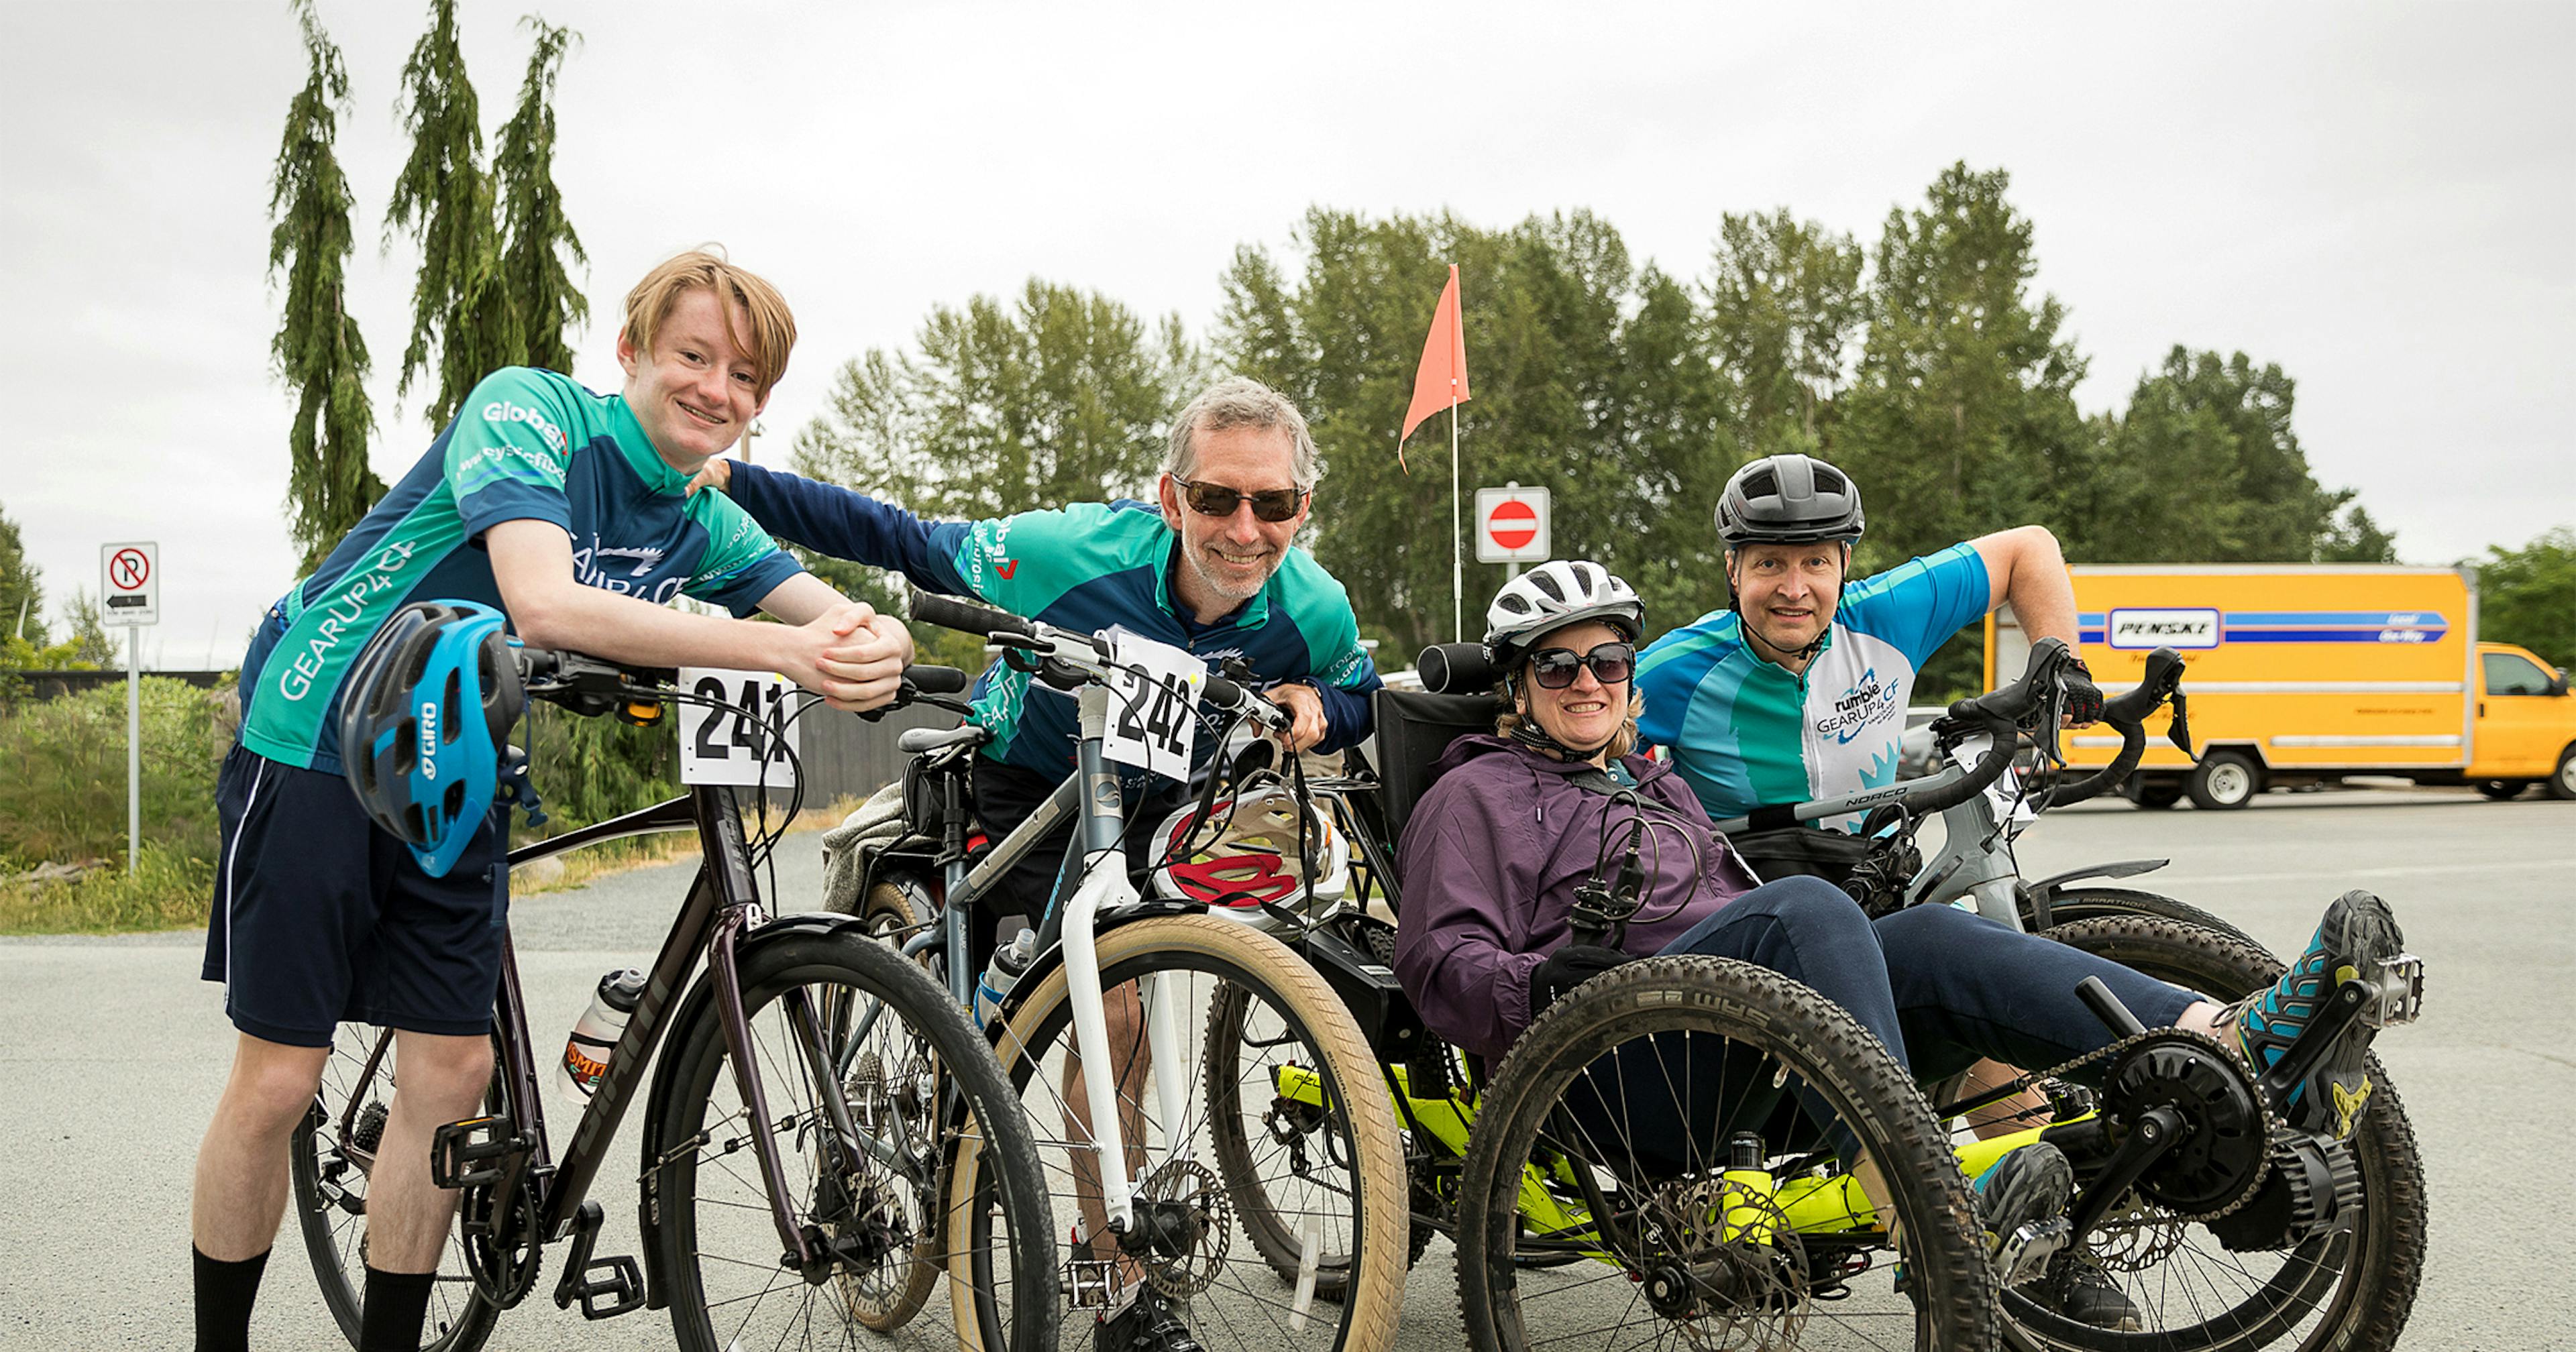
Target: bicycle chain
2227	1056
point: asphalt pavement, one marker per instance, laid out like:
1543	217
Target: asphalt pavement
112	1053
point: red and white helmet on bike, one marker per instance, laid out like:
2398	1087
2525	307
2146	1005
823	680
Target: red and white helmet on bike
1248	859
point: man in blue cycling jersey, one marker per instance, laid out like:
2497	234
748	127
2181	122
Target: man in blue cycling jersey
565	509
1797	690
1208	567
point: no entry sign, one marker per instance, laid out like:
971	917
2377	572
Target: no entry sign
1511	525
130	583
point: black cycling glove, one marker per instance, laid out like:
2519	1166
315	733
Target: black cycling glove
2083	698
1567	968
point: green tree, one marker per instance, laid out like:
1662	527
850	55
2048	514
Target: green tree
1784	307
1059	396
536	235
1964	403
444	198
1592	379
2528	596
317	352
2353	537
22	589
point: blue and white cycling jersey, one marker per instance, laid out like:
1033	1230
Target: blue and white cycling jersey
1746	733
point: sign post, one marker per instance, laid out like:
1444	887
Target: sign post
1512	526
129	588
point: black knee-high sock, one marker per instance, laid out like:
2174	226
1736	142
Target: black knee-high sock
224	1295
397	1302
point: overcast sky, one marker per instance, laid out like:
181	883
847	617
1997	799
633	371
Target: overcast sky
2381	199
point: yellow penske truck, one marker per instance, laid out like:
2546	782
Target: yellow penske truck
2306	675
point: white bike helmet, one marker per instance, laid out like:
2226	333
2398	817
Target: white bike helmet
1553	595
1251	856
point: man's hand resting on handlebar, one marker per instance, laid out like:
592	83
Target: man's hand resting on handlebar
850	655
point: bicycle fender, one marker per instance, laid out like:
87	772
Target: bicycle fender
699	1003
2123	869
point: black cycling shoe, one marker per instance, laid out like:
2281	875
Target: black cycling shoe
2021	1201
2357	938
2079	1289
1148	1324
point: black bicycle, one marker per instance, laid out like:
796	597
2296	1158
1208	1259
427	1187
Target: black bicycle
811	1092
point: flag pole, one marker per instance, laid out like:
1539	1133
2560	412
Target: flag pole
1457	535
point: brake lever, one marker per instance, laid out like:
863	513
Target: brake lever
2180	732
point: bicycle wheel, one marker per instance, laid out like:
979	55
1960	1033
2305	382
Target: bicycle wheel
2075	904
1243	1127
1334	1169
1666	1122
2350	1288
836	1010
888	914
330	1160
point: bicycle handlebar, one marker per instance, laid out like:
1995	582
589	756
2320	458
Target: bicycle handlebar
2127	714
1085	654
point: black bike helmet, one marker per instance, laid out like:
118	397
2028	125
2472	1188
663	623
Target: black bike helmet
1788	500
428	708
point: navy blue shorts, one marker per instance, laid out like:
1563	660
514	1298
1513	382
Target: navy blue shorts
322	917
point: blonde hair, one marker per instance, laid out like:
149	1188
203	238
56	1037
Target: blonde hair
773	326
1621	742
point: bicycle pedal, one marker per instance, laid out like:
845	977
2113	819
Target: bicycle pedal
472	1153
618	1288
1092	1284
2400	992
2024	1254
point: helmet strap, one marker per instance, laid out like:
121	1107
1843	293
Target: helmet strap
1529	733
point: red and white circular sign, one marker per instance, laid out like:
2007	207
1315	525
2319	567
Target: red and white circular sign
1511	525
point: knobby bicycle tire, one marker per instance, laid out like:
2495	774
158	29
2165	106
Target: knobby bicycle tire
330	1203
2358	1284
695	1154
1792	1032
2076	904
1312	1019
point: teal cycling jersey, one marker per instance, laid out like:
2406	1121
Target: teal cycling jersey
1085	567
1745	733
527	444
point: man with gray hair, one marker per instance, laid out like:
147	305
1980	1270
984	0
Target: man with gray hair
1209	568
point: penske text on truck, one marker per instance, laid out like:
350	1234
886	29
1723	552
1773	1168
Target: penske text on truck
2304	675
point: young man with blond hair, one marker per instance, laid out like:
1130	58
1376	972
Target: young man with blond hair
566	510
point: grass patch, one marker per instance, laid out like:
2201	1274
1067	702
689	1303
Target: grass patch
169	889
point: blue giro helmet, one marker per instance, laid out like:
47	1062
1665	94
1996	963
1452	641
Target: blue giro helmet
428	707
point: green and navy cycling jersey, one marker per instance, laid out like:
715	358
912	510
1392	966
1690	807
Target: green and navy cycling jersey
1746	733
1086	567
528	444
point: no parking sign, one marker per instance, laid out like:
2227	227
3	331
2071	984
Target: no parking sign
129	583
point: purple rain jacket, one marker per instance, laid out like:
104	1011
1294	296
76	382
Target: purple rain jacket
1489	863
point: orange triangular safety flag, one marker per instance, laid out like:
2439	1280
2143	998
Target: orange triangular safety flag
1441	380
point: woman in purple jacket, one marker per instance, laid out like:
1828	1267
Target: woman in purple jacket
1516	822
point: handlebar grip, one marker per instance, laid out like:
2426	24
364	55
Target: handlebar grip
1456	669
935	680
2018	700
950	613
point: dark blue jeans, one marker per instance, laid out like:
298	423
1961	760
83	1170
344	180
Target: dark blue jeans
1940	986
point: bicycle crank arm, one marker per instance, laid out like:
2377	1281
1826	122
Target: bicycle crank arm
2156	1131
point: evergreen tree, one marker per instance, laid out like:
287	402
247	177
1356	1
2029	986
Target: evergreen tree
22	588
1964	406
445	199
536	235
317	351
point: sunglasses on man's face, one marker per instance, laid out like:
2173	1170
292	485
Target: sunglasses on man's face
1270	504
1553	668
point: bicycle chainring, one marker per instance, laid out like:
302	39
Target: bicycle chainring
502	1253
2224	1151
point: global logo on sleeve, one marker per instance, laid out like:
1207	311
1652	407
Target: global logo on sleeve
1869	701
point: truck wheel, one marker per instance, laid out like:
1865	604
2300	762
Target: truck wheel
2562	781
2225	780
2503	789
2155	792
